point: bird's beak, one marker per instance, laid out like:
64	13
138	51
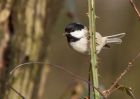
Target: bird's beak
64	34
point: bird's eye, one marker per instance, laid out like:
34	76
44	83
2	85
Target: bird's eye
72	30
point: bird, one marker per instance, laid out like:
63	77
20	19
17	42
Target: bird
78	38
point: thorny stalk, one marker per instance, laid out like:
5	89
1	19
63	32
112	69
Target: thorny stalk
93	61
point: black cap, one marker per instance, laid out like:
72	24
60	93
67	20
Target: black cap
73	27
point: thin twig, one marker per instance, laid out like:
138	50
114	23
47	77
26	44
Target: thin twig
16	92
136	57
59	67
135	8
130	64
111	89
10	87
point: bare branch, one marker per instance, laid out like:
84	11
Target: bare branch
10	87
130	64
16	92
135	8
112	87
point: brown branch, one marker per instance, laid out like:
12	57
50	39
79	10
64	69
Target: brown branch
136	57
130	64
112	87
135	8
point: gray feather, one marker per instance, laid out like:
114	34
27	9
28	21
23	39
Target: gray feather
115	38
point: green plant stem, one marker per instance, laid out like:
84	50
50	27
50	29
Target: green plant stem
94	70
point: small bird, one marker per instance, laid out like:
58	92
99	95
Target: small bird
78	38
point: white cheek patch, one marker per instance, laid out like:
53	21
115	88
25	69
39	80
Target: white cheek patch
78	33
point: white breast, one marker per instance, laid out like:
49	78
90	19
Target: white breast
81	45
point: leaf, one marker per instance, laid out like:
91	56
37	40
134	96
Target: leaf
128	90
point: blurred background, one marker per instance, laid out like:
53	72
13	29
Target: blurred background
32	30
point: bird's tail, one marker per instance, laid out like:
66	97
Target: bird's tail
115	38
